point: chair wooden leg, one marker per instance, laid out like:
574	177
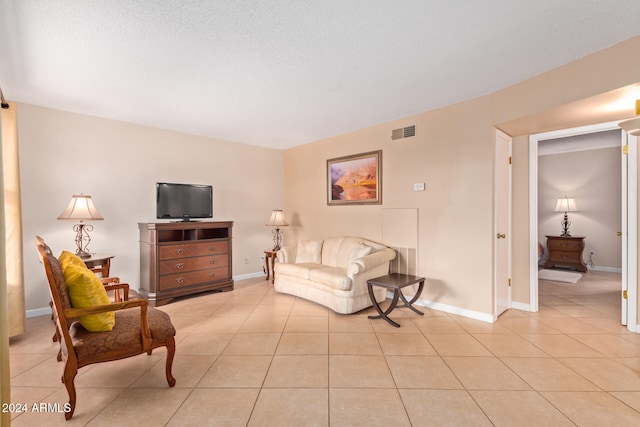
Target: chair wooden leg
171	351
68	378
57	338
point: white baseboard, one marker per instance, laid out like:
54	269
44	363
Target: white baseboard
476	315
249	276
521	306
607	269
45	311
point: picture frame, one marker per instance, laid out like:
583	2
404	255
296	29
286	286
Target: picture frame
355	179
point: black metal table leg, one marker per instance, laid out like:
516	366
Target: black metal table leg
383	314
395	282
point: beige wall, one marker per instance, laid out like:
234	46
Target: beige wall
454	211
452	153
593	178
118	164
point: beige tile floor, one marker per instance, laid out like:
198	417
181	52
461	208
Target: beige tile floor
253	357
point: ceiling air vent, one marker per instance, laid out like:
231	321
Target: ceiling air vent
403	132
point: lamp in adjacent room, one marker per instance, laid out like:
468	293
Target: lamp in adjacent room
81	208
566	204
632	126
277	220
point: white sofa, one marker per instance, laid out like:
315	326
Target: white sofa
333	272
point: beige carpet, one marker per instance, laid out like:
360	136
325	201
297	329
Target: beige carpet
559	276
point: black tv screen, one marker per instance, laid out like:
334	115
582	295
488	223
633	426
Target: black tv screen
183	201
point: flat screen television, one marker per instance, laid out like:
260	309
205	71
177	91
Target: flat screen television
183	201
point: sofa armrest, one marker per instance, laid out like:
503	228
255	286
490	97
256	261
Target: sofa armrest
287	254
370	261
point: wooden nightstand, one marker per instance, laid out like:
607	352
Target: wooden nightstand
565	251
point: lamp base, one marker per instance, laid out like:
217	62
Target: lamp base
82	239
565	226
277	239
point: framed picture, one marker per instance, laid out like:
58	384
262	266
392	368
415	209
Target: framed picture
355	180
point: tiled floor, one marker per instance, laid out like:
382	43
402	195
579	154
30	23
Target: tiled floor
254	357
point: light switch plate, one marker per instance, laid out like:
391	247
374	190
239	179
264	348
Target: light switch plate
418	186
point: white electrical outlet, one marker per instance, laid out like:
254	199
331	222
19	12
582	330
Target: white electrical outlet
418	186
246	260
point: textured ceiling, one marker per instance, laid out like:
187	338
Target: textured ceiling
281	73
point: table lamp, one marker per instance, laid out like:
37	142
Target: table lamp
277	220
566	204
81	208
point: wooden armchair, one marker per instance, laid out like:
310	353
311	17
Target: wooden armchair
138	329
118	291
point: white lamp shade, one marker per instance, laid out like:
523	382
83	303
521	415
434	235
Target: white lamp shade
277	219
566	204
81	207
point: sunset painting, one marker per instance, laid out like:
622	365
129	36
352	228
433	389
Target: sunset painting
354	179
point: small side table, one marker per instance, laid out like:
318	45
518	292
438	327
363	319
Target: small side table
99	263
270	255
395	282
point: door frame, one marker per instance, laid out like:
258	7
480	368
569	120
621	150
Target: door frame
630	274
506	214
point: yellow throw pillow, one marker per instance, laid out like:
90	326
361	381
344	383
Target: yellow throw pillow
68	257
86	290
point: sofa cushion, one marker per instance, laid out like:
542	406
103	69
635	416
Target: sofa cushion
309	251
340	251
330	250
297	270
349	250
333	277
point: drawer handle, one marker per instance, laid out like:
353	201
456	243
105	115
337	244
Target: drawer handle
179	266
179	280
213	261
212	274
180	251
212	248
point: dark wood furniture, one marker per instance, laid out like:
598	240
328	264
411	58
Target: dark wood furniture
184	258
99	264
269	261
138	329
395	282
565	251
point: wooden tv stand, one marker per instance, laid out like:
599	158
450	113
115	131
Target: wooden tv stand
184	258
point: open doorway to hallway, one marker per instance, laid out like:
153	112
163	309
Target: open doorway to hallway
587	169
628	177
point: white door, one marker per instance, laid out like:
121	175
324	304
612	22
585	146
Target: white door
624	233
502	227
629	228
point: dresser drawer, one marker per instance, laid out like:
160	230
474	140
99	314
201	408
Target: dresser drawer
564	245
185	265
560	257
179	280
193	249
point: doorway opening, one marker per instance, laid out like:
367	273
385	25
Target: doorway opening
628	225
